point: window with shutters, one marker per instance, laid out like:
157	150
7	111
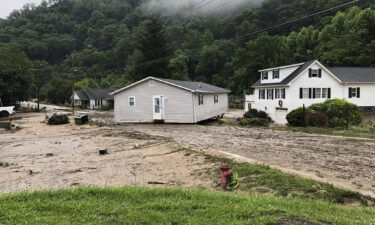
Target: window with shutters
317	93
324	92
354	92
314	73
262	94
305	93
276	74
265	75
282	93
269	93
277	93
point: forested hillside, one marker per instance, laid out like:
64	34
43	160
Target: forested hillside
110	43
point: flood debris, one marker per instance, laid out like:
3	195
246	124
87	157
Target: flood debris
103	152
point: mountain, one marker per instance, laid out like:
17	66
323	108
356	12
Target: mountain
111	43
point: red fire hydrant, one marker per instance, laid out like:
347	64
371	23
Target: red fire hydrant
225	175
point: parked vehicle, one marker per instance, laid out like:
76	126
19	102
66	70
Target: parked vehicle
6	111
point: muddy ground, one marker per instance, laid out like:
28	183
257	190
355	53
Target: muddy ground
44	157
144	154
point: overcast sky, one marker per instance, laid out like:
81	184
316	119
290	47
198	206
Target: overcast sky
7	6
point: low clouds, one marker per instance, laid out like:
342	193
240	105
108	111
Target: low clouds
186	7
7	6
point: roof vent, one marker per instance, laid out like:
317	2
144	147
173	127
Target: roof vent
200	85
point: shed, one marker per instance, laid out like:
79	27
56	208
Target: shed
170	101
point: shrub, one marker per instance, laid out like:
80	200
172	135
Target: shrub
316	119
58	119
259	122
253	113
297	117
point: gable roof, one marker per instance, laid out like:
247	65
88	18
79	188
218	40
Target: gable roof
288	79
98	93
354	74
187	85
341	74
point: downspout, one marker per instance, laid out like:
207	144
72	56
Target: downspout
194	116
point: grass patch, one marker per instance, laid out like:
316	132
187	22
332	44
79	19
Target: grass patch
360	131
169	206
263	179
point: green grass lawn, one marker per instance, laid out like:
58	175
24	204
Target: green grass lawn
170	206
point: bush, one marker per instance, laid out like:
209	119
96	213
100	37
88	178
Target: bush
331	113
58	119
253	113
259	122
316	119
297	117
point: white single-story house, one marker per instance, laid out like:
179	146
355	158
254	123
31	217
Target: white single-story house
283	89
94	98
170	101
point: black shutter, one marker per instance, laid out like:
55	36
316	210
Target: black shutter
320	73
310	72
358	92
300	93
350	92
329	92
259	93
313	92
272	93
310	93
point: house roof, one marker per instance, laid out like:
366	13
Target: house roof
187	85
82	95
354	74
288	79
343	74
87	94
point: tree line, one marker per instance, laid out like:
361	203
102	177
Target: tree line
45	50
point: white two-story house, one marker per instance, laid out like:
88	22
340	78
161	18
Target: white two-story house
283	89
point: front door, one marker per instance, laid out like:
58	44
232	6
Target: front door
158	107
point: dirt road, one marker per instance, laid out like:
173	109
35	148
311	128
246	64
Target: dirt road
344	162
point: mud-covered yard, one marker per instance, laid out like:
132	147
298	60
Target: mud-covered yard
42	156
47	157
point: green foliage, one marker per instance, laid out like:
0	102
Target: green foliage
257	122
297	117
15	76
254	113
333	113
116	42
86	83
58	119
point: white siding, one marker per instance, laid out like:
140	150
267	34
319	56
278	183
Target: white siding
209	109
293	100
284	73
178	103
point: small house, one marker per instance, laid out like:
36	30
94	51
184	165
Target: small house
170	101
94	98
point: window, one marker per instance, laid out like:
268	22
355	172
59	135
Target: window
315	73
354	92
276	74
262	94
326	93
283	93
280	93
216	98
264	75
200	99
277	94
131	101
269	93
317	93
305	93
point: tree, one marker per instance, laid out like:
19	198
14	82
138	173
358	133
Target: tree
15	77
178	66
42	75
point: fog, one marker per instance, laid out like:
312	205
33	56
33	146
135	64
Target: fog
188	7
